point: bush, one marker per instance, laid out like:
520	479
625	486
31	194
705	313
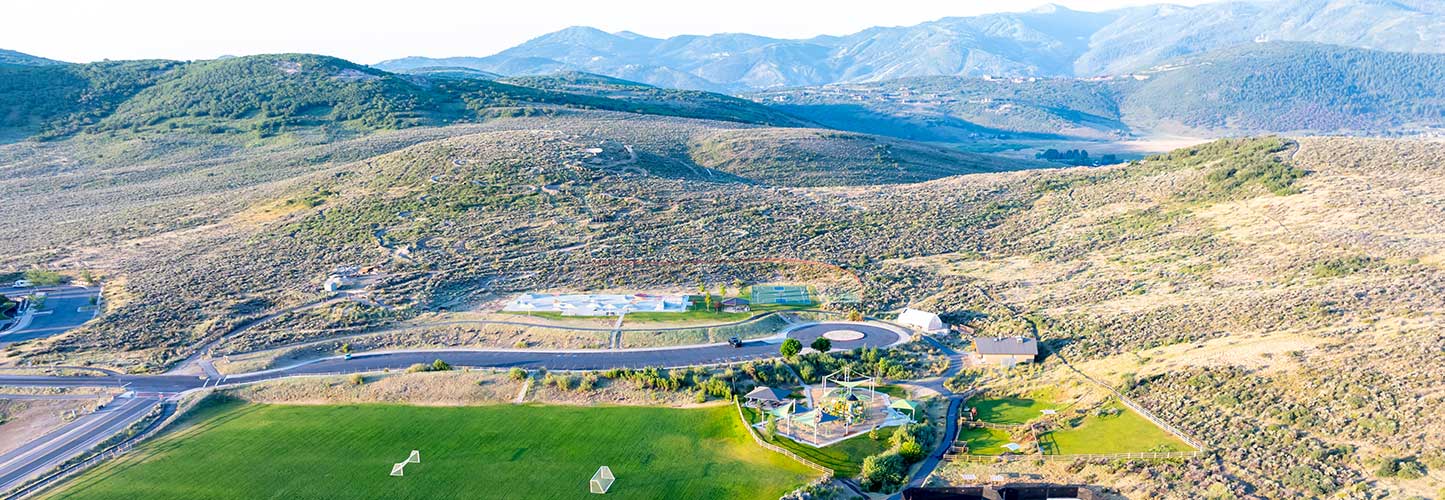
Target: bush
882	471
42	277
517	374
356	379
822	344
417	368
791	347
440	366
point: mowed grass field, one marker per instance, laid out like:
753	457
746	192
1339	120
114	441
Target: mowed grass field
1011	410
1125	432
239	451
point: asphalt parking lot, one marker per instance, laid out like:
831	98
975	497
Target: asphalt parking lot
65	307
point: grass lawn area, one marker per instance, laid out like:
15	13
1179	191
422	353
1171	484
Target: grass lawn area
845	458
1012	410
1127	432
983	441
893	391
233	450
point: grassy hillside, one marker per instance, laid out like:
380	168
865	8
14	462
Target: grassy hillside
270	95
57	100
687	103
469	452
10	57
813	157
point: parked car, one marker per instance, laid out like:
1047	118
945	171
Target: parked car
735	342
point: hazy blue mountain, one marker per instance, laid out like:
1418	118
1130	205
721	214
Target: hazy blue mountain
22	59
1278	87
1051	41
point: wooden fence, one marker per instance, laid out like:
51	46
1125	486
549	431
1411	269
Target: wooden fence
1065	458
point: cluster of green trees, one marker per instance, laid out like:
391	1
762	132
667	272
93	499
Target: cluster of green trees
1078	157
885	471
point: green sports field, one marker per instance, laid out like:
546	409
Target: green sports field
235	451
1123	432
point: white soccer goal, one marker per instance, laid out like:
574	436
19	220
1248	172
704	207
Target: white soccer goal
398	468
601	481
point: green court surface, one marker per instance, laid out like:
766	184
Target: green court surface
782	295
239	451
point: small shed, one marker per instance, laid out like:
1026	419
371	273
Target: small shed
922	320
735	305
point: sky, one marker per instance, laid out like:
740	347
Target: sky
369	31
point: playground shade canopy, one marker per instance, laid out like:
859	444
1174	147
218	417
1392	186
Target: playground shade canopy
768	394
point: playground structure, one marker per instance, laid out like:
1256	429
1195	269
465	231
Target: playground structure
850	407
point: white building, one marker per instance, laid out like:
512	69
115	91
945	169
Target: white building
922	320
595	305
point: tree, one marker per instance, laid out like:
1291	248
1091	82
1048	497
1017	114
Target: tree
881	470
440	366
42	277
855	315
791	347
771	429
7	307
822	344
517	374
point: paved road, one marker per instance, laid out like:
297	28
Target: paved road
874	336
37	457
65	307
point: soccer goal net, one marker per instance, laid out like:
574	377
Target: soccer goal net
399	468
602	480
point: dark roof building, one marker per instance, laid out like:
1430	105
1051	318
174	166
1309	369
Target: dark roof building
1007	345
1007	351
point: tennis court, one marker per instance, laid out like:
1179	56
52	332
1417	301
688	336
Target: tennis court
790	295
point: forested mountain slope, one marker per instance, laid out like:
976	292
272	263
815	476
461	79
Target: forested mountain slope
267	95
1253	88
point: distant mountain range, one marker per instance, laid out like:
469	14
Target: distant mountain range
1276	87
1048	42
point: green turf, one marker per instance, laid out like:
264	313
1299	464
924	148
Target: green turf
1010	410
305	452
894	391
767	294
845	457
983	441
1127	432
